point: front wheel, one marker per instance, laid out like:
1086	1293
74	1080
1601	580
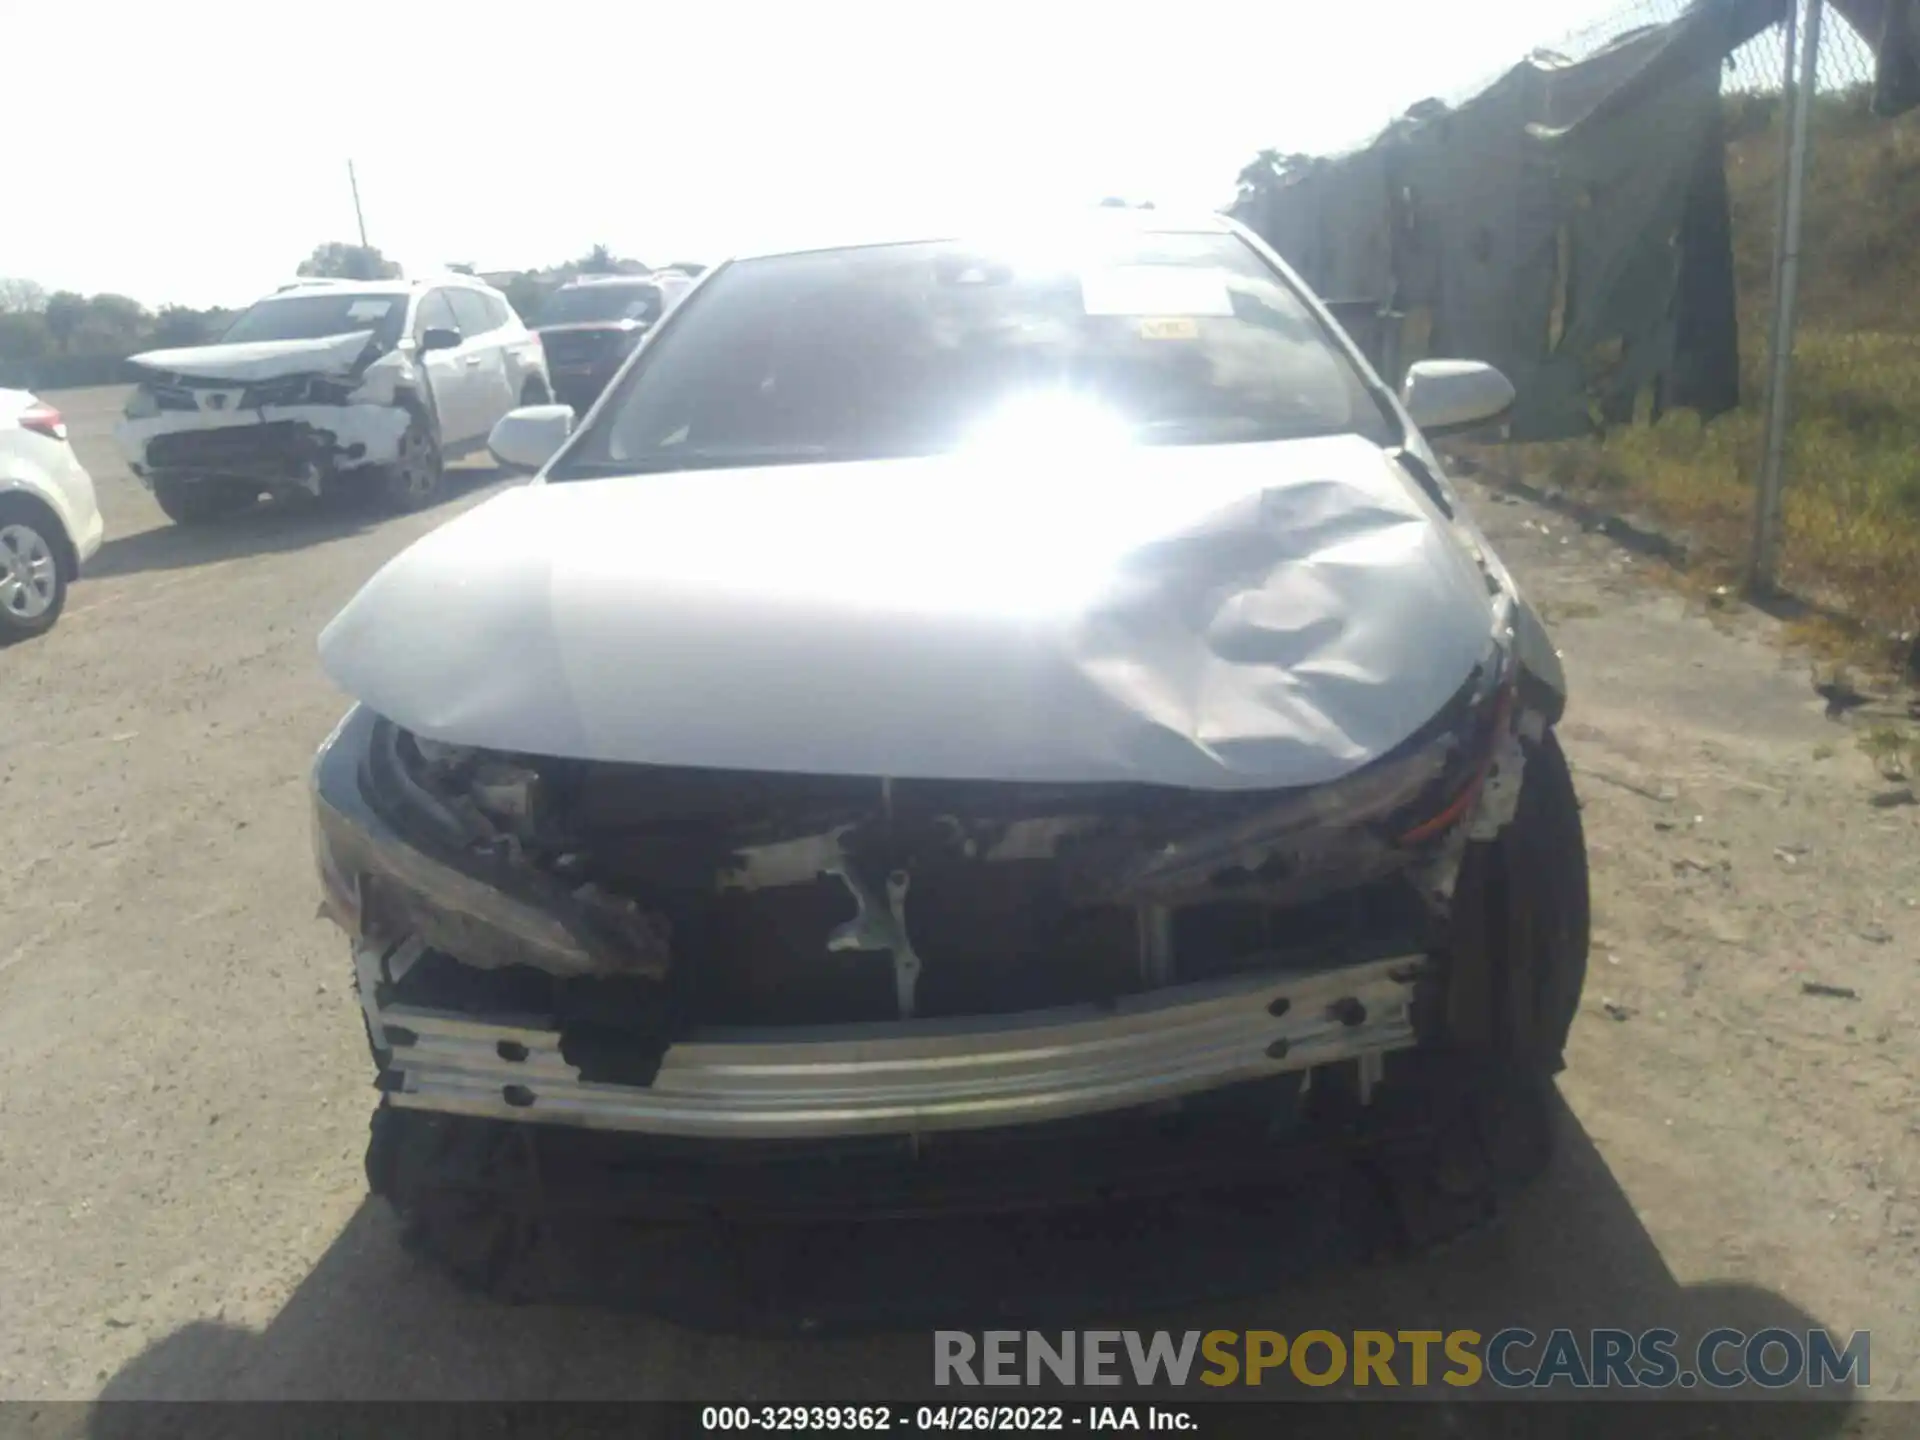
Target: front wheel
195	502
1478	1089
412	481
1538	911
33	586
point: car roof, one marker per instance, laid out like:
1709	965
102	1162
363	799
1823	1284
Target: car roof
364	287
379	287
1020	222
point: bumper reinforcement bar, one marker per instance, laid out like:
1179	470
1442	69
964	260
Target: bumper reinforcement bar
907	1076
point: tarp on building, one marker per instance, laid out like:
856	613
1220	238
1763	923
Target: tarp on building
1892	28
1568	224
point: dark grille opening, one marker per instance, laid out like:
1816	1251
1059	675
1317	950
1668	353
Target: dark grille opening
994	937
276	449
993	940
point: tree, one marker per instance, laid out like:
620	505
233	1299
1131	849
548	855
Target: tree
177	326
337	260
21	297
599	261
108	325
1258	174
23	338
64	312
524	294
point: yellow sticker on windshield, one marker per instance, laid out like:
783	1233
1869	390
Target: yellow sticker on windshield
1176	327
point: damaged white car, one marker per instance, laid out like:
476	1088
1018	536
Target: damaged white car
986	722
330	385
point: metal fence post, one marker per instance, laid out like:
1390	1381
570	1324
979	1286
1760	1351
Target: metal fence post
1762	568
1789	87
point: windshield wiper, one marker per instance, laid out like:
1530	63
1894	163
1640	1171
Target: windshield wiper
730	458
1226	430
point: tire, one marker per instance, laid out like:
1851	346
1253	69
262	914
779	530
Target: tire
412	482
196	502
438	1173
33	572
1479	1090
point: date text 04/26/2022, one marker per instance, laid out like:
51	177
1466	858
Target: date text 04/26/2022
934	1419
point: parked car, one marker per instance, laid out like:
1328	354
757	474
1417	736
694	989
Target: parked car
589	327
959	725
330	385
50	523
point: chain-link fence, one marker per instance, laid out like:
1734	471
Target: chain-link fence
1848	520
1845	531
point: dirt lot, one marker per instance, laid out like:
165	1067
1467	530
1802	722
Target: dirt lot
185	1093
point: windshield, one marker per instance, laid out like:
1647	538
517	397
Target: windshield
588	304
313	317
917	349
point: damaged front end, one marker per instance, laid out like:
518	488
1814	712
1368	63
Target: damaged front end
762	957
324	411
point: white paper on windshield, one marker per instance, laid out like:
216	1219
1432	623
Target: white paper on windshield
368	309
1165	290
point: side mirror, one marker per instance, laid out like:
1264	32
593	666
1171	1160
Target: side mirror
439	338
1443	395
525	439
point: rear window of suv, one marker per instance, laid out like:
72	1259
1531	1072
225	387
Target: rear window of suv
600	304
894	350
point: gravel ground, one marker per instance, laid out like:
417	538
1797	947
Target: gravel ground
184	1099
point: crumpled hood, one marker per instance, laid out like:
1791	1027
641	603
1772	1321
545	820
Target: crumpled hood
1218	617
260	359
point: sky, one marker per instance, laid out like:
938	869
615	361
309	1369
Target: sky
195	154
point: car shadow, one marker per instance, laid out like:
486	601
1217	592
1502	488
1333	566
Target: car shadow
369	1322
272	526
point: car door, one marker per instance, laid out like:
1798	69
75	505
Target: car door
483	352
526	355
449	377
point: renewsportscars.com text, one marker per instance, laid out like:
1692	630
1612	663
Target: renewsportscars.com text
1515	1358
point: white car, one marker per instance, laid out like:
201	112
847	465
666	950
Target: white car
959	724
328	384
50	523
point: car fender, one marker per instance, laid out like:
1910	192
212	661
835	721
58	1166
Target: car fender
50	499
1539	662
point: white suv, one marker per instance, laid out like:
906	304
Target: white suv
327	384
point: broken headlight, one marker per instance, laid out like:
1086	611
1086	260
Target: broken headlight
323	390
1371	822
141	404
398	858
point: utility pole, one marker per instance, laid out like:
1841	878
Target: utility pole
361	219
1762	569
